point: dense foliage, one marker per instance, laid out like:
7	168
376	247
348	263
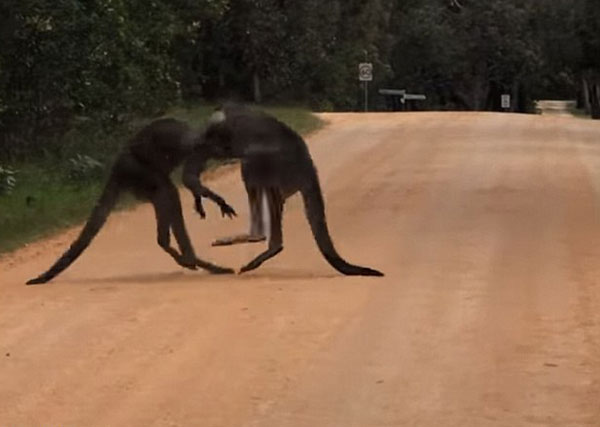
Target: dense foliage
63	62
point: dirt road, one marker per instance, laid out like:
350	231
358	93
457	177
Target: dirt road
486	225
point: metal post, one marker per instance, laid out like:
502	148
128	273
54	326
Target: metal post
366	83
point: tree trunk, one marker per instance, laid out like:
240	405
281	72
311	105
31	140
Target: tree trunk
594	91
492	102
221	78
480	87
515	94
581	96
480	92
256	88
586	95
524	101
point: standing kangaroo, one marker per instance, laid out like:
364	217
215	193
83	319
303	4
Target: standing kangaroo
143	168
275	164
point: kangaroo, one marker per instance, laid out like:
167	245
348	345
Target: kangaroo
144	167
275	164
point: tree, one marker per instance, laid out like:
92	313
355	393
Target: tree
103	59
466	59
590	64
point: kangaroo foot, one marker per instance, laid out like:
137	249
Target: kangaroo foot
189	264
214	269
256	262
37	281
242	238
185	260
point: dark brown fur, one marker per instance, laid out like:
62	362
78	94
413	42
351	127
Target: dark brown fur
276	164
144	168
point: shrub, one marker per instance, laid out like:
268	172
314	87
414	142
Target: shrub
83	169
8	180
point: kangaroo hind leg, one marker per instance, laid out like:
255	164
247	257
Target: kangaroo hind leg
169	217
161	204
274	229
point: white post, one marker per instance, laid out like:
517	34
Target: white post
365	74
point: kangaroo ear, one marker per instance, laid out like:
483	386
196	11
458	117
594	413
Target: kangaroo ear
217	117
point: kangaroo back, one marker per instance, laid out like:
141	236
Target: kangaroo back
97	218
315	213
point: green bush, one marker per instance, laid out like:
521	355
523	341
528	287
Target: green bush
8	180
83	169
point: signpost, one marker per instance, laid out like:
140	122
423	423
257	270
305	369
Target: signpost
403	95
505	101
365	75
395	95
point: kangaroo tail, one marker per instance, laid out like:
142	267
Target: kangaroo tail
315	212
97	218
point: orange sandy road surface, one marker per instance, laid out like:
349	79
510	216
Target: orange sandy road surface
486	225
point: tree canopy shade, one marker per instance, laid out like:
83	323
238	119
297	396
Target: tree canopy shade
107	59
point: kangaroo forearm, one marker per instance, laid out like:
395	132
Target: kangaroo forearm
209	194
191	180
193	183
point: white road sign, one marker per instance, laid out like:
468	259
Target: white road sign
365	72
505	100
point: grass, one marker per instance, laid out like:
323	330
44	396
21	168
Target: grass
48	198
